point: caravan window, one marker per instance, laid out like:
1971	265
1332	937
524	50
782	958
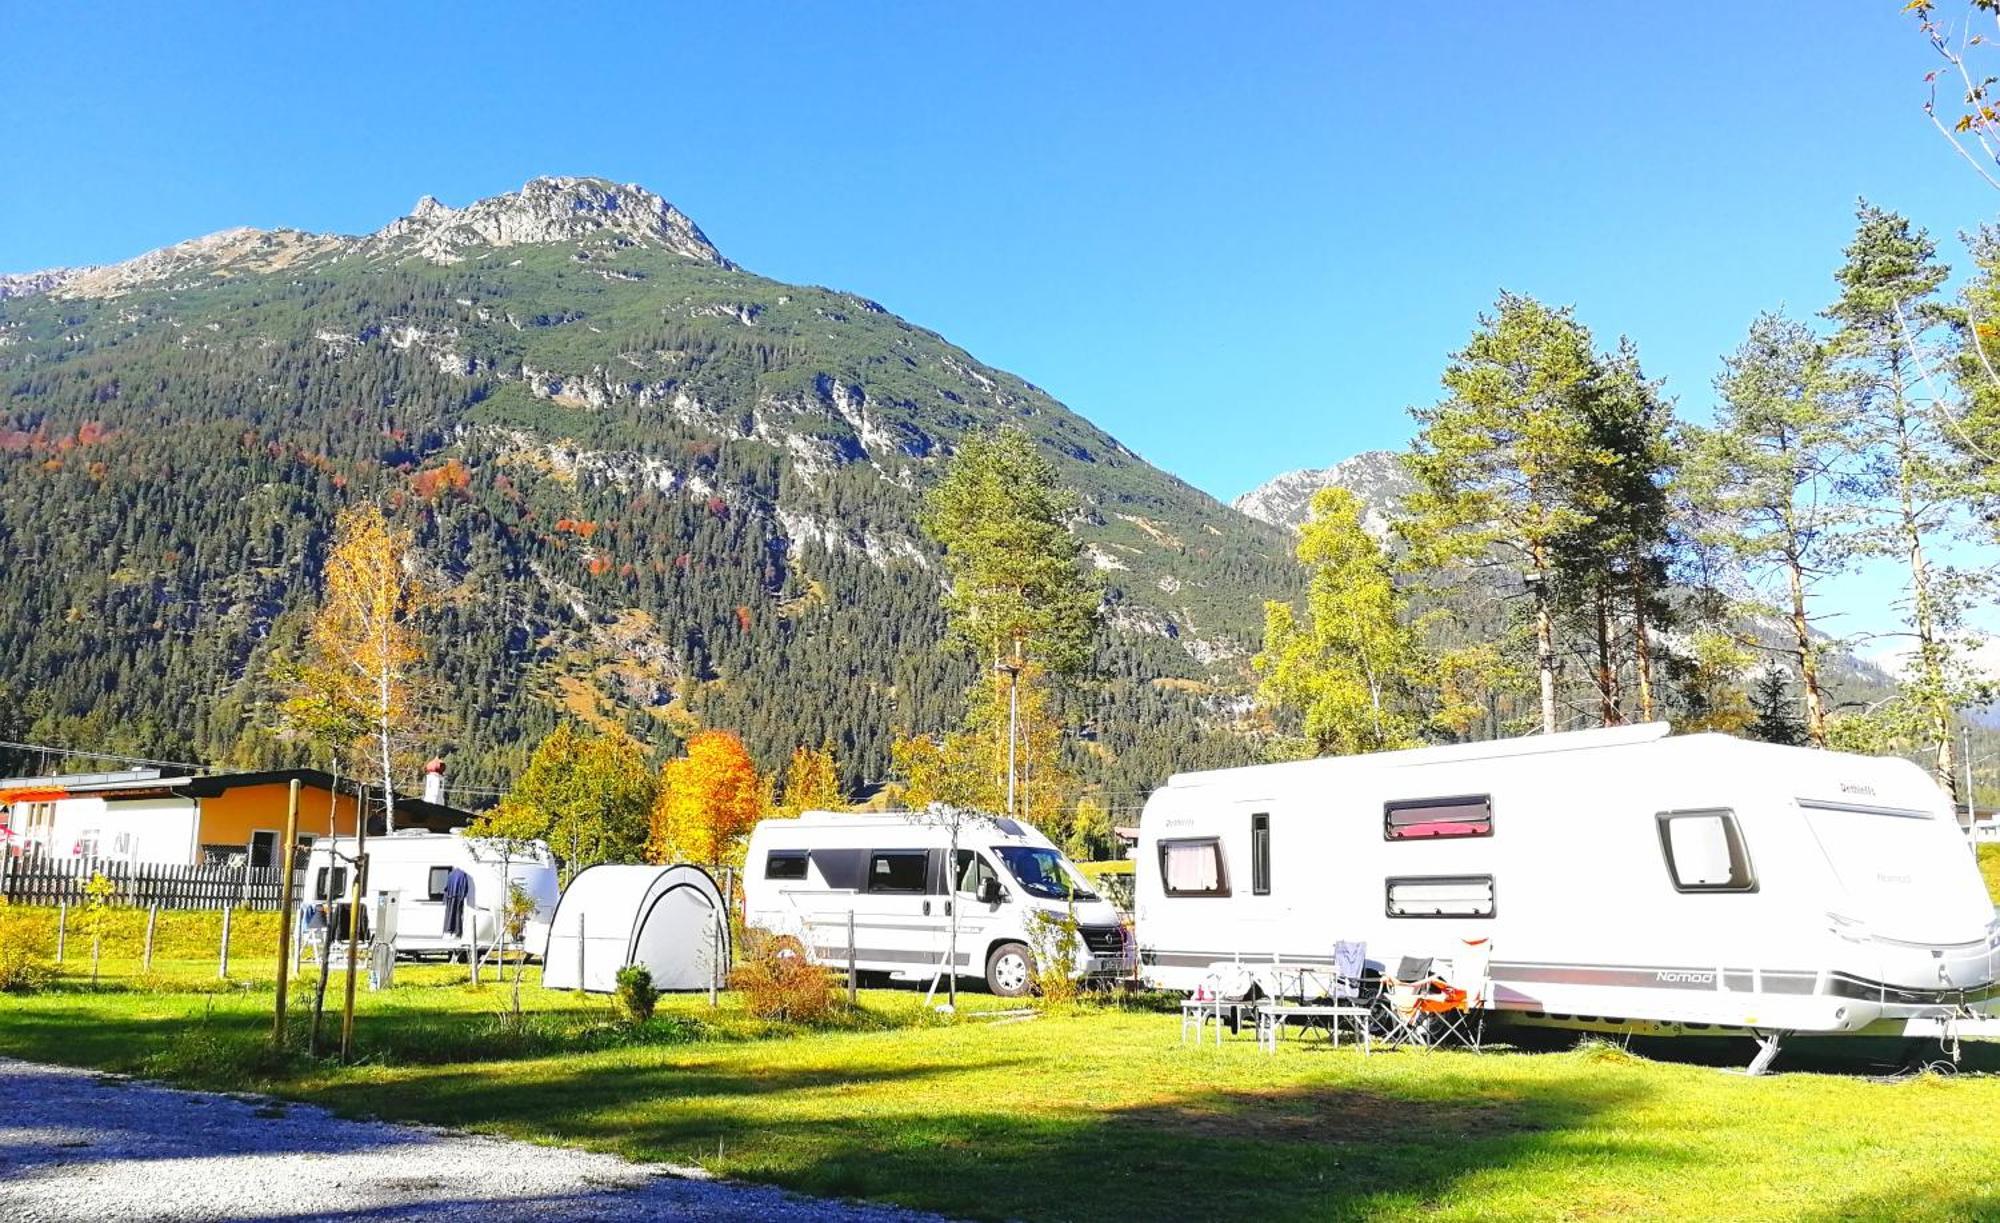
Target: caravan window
339	883
785	864
1704	852
1193	868
1440	896
1431	818
898	870
1260	854
439	876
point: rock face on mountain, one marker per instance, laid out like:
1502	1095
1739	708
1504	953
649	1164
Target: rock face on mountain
1375	476
653	488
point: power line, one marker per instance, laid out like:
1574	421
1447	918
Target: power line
49	750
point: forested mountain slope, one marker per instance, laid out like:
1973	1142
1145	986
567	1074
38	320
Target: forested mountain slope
648	483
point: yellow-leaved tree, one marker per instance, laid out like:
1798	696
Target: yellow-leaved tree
366	656
709	800
812	782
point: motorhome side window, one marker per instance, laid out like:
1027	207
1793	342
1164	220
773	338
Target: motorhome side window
1433	818
898	870
1705	852
785	864
439	876
1260	854
1193	868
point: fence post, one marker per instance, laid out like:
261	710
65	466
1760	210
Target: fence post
152	920
222	965
850	958
714	952
62	927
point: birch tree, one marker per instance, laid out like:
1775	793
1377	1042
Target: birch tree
1768	481
364	642
1346	674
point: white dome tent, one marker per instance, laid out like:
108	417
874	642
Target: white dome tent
669	918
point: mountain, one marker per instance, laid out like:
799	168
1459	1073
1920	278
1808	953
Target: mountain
1376	477
651	486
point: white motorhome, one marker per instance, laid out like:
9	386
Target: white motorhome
416	865
886	871
1625	880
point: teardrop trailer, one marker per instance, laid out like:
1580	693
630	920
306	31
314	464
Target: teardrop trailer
1622	880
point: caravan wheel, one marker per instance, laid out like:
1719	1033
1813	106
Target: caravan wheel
1010	970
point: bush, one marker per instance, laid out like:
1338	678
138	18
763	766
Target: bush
778	982
636	995
1055	940
23	967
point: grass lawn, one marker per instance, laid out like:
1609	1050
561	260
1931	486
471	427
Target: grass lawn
1096	1114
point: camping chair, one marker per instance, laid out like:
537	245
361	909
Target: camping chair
1457	1003
1396	1011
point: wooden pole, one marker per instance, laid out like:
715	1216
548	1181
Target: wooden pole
714	952
62	927
222	964
285	910
579	951
353	938
850	959
152	920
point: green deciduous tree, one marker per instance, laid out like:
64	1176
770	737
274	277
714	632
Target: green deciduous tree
1347	673
589	795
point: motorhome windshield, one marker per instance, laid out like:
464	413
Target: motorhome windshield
1043	873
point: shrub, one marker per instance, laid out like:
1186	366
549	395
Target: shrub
636	995
778	982
1055	940
23	967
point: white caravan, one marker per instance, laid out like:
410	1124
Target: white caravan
1625	880
807	877
416	863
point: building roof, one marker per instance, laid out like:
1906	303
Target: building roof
136	783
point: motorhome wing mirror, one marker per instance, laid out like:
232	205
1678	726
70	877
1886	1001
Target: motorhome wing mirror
989	891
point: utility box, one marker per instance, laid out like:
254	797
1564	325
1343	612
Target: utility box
382	951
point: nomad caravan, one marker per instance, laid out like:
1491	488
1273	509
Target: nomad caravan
1623	880
419	866
885	873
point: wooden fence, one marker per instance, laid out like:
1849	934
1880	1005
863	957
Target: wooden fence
48	881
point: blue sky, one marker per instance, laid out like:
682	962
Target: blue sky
1241	238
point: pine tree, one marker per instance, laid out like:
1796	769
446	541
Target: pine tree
1914	482
1504	463
1767	483
1776	719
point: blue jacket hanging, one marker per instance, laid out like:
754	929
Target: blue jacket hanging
457	893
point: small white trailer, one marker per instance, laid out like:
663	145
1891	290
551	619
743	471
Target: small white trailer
417	865
883	876
1623	879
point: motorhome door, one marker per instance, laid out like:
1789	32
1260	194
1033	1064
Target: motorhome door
899	916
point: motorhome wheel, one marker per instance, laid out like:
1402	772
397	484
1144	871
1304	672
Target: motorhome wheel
1010	970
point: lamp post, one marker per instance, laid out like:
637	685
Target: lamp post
1012	668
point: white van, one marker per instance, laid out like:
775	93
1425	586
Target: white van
415	864
1619	879
806	877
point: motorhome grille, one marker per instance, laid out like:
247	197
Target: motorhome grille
1103	940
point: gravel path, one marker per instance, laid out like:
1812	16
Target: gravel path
78	1144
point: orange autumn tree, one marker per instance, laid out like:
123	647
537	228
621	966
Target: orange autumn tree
709	799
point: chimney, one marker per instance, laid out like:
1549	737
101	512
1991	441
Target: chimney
434	782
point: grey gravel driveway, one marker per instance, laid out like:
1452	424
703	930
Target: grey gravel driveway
75	1144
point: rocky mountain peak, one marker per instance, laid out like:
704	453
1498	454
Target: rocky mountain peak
552	209
1375	476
